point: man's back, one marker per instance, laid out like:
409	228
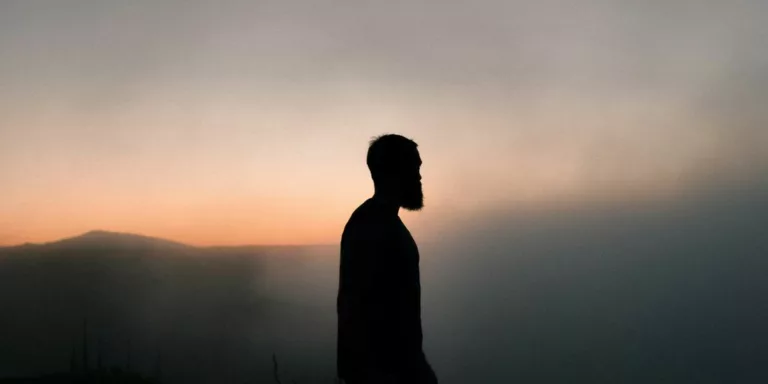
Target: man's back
379	299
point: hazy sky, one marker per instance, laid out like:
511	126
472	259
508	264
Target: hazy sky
233	122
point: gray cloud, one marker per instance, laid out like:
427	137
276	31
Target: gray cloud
487	44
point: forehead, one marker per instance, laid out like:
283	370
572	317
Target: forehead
412	157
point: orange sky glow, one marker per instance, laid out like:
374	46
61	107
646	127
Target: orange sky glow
249	124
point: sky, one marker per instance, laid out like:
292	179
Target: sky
247	122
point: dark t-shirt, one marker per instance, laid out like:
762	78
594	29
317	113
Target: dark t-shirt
379	299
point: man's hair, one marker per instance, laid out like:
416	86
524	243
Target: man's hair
387	153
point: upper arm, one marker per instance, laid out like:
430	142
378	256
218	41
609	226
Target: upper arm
376	270
381	294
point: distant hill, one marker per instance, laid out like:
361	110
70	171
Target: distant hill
108	241
133	289
98	239
147	296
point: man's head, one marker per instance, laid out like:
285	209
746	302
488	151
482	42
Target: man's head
395	164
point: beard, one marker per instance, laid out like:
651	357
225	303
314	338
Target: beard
413	199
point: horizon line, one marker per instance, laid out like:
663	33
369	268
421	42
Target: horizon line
11	245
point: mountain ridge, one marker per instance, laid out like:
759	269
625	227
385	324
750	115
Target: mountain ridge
104	238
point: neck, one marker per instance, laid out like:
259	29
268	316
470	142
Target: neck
387	201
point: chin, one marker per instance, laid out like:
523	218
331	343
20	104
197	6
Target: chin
413	205
413	200
413	208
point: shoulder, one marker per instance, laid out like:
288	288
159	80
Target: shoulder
367	224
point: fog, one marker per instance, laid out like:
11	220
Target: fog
656	292
660	291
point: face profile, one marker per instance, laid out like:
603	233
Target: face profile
412	193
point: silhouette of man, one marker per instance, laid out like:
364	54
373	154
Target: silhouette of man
379	298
